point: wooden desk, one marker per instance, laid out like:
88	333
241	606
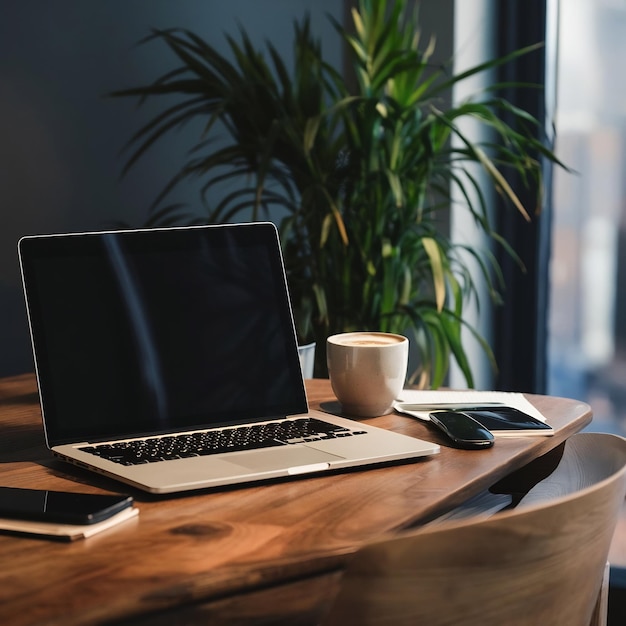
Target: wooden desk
237	555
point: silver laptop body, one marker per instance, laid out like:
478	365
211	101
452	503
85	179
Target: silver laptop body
155	333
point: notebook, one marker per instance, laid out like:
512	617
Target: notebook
167	359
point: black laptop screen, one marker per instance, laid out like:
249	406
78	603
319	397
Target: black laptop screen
160	330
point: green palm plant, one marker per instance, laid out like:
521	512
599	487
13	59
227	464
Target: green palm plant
360	178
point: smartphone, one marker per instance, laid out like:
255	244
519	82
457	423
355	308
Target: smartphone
462	429
506	421
60	507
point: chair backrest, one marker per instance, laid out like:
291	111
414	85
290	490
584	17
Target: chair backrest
540	563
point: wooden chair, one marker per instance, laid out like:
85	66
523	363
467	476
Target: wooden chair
543	562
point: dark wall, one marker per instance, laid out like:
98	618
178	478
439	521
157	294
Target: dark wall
60	137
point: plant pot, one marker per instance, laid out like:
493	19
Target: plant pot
307	359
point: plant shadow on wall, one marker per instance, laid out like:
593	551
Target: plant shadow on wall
361	170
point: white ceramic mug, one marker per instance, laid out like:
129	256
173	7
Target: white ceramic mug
367	370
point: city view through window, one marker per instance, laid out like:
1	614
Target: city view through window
587	321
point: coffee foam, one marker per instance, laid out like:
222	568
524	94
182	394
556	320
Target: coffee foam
367	339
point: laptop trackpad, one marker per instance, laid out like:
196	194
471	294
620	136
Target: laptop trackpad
281	458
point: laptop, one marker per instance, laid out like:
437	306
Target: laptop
167	359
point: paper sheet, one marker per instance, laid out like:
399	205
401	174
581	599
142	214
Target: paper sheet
425	400
66	531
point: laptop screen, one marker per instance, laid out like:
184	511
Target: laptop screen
161	330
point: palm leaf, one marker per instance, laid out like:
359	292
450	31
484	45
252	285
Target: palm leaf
361	174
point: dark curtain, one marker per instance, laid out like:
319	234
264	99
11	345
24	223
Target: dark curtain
520	333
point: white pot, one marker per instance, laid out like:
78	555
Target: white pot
307	359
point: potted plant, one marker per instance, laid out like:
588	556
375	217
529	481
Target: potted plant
359	171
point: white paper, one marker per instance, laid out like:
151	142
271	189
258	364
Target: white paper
69	531
424	401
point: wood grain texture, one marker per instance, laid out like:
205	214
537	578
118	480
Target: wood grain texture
541	563
203	547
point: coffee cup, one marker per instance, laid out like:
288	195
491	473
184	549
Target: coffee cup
367	370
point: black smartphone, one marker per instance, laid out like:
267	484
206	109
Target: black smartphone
506	421
462	429
60	507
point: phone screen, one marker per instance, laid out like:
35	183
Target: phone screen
507	418
60	507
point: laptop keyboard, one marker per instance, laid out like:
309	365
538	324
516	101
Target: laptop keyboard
236	439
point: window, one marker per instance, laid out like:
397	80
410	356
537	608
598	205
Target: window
587	316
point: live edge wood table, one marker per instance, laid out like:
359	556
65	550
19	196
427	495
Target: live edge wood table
262	554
